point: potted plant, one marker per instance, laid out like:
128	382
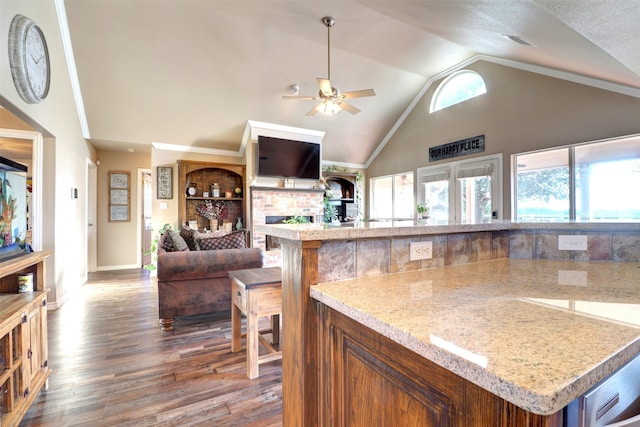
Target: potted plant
423	210
153	249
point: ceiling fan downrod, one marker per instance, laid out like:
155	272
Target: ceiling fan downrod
328	22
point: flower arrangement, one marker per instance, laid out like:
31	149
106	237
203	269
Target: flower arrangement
212	209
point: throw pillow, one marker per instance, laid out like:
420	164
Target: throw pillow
178	242
209	241
187	234
166	243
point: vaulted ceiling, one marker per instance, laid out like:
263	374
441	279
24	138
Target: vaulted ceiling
192	72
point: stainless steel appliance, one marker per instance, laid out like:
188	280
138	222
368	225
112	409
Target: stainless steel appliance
615	402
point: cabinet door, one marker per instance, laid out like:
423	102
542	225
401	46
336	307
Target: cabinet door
370	383
35	341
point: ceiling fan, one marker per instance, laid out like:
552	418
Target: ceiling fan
332	100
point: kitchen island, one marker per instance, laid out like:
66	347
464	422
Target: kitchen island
313	253
535	333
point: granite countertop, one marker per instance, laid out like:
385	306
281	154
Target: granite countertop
537	333
373	229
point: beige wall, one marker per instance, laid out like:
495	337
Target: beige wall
118	245
65	152
521	111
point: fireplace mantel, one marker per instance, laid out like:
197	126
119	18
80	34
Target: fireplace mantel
288	189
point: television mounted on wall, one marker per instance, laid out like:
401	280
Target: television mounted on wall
285	158
13	209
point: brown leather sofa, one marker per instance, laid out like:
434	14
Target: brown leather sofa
194	282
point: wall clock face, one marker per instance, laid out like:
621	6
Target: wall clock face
29	59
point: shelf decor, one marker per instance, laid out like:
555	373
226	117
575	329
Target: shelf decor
165	182
119	196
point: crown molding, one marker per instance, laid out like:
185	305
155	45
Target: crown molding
197	150
63	24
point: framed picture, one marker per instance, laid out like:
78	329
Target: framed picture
119	196
165	182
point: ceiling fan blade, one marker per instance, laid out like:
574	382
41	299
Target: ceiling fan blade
313	111
358	94
349	108
299	97
325	86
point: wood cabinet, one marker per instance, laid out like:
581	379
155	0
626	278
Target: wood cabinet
201	176
367	379
342	195
24	367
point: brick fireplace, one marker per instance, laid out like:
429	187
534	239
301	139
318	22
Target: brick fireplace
282	203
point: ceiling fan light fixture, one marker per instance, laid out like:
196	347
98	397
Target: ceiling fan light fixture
329	107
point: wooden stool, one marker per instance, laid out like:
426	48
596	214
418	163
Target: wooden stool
256	292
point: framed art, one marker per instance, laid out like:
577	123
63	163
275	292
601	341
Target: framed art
165	182
119	196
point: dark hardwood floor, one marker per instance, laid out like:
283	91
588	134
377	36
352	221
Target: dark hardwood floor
112	366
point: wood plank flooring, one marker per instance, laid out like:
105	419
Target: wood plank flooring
112	366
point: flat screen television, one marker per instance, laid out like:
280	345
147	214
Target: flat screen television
285	158
13	209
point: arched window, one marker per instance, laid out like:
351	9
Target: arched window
458	87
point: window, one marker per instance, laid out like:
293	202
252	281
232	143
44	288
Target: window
435	193
464	192
596	181
542	182
392	197
456	88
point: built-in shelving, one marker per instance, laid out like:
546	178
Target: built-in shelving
202	175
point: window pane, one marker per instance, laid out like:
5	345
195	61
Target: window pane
607	178
382	198
457	88
475	200
437	197
403	201
542	184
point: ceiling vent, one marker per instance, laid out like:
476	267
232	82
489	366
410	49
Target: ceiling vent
517	39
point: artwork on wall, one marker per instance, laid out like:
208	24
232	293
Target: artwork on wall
119	196
165	182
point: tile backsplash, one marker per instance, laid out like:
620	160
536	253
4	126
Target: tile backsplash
365	257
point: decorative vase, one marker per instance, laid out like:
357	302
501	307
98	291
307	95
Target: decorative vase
213	224
239	224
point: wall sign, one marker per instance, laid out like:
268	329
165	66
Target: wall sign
458	148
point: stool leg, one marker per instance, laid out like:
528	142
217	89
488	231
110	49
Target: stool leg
252	336
236	332
275	329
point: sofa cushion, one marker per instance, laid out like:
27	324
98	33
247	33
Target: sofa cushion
187	234
179	244
215	241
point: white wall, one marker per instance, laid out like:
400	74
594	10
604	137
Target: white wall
65	152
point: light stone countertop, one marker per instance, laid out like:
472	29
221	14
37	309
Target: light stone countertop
537	333
373	229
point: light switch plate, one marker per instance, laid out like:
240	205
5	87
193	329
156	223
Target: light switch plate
572	242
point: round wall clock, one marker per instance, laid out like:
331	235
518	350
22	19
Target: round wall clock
29	59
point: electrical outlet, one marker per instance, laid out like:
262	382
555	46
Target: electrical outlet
420	250
572	242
